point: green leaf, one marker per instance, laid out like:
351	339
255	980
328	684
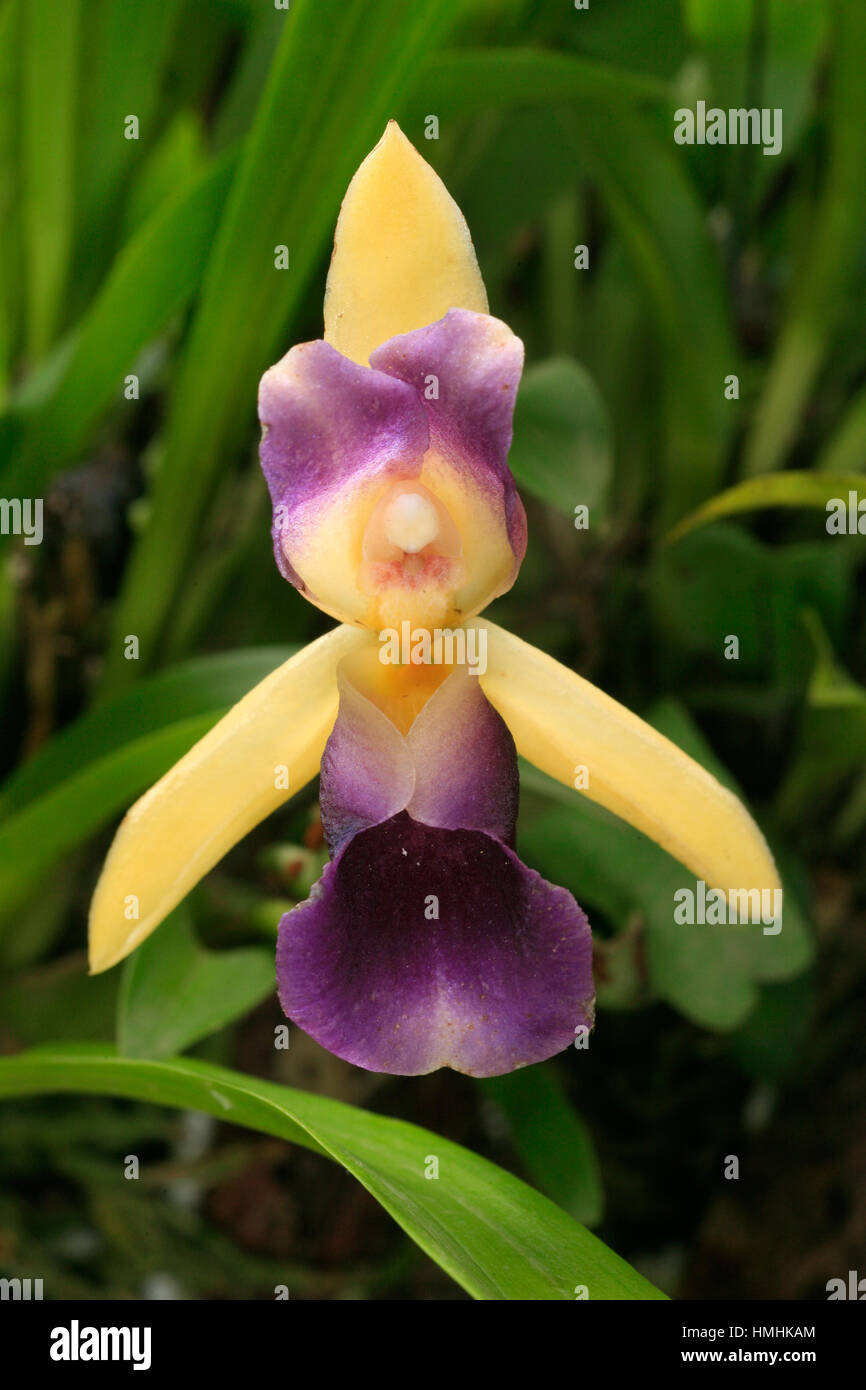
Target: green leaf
50	42
10	183
96	767
786	40
35	1003
511	150
709	586
498	1239
8	629
722	581
664	227
771	1042
175	993
238	107
647	37
845	451
830	253
562	445
170	167
552	1139
781	490
49	827
338	75
200	686
831	737
135	40
153	278
473	80
831	687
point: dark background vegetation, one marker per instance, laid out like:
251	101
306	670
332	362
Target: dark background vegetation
155	257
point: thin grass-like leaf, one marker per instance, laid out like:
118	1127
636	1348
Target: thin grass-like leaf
50	57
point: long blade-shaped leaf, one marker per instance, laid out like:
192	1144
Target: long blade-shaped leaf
10	177
552	1139
497	1237
134	40
831	254
153	278
476	79
50	42
798	489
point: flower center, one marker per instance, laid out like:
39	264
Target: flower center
411	558
410	522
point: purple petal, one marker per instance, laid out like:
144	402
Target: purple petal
477	362
500	978
456	768
341	440
367	769
465	762
426	942
330	424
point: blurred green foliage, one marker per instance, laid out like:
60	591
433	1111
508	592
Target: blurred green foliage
153	258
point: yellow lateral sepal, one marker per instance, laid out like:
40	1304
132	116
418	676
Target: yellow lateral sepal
226	784
560	722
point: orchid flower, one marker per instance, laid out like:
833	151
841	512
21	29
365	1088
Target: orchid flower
426	942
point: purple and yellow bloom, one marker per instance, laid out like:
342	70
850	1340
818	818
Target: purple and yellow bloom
426	942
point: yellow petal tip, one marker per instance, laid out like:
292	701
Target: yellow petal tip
403	255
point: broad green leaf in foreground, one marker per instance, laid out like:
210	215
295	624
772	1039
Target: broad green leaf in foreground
176	992
497	1237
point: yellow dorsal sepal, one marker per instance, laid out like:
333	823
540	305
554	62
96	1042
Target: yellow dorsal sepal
403	255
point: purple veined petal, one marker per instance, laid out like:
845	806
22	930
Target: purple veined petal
422	948
465	761
466	368
334	433
455	768
427	942
391	491
367	772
